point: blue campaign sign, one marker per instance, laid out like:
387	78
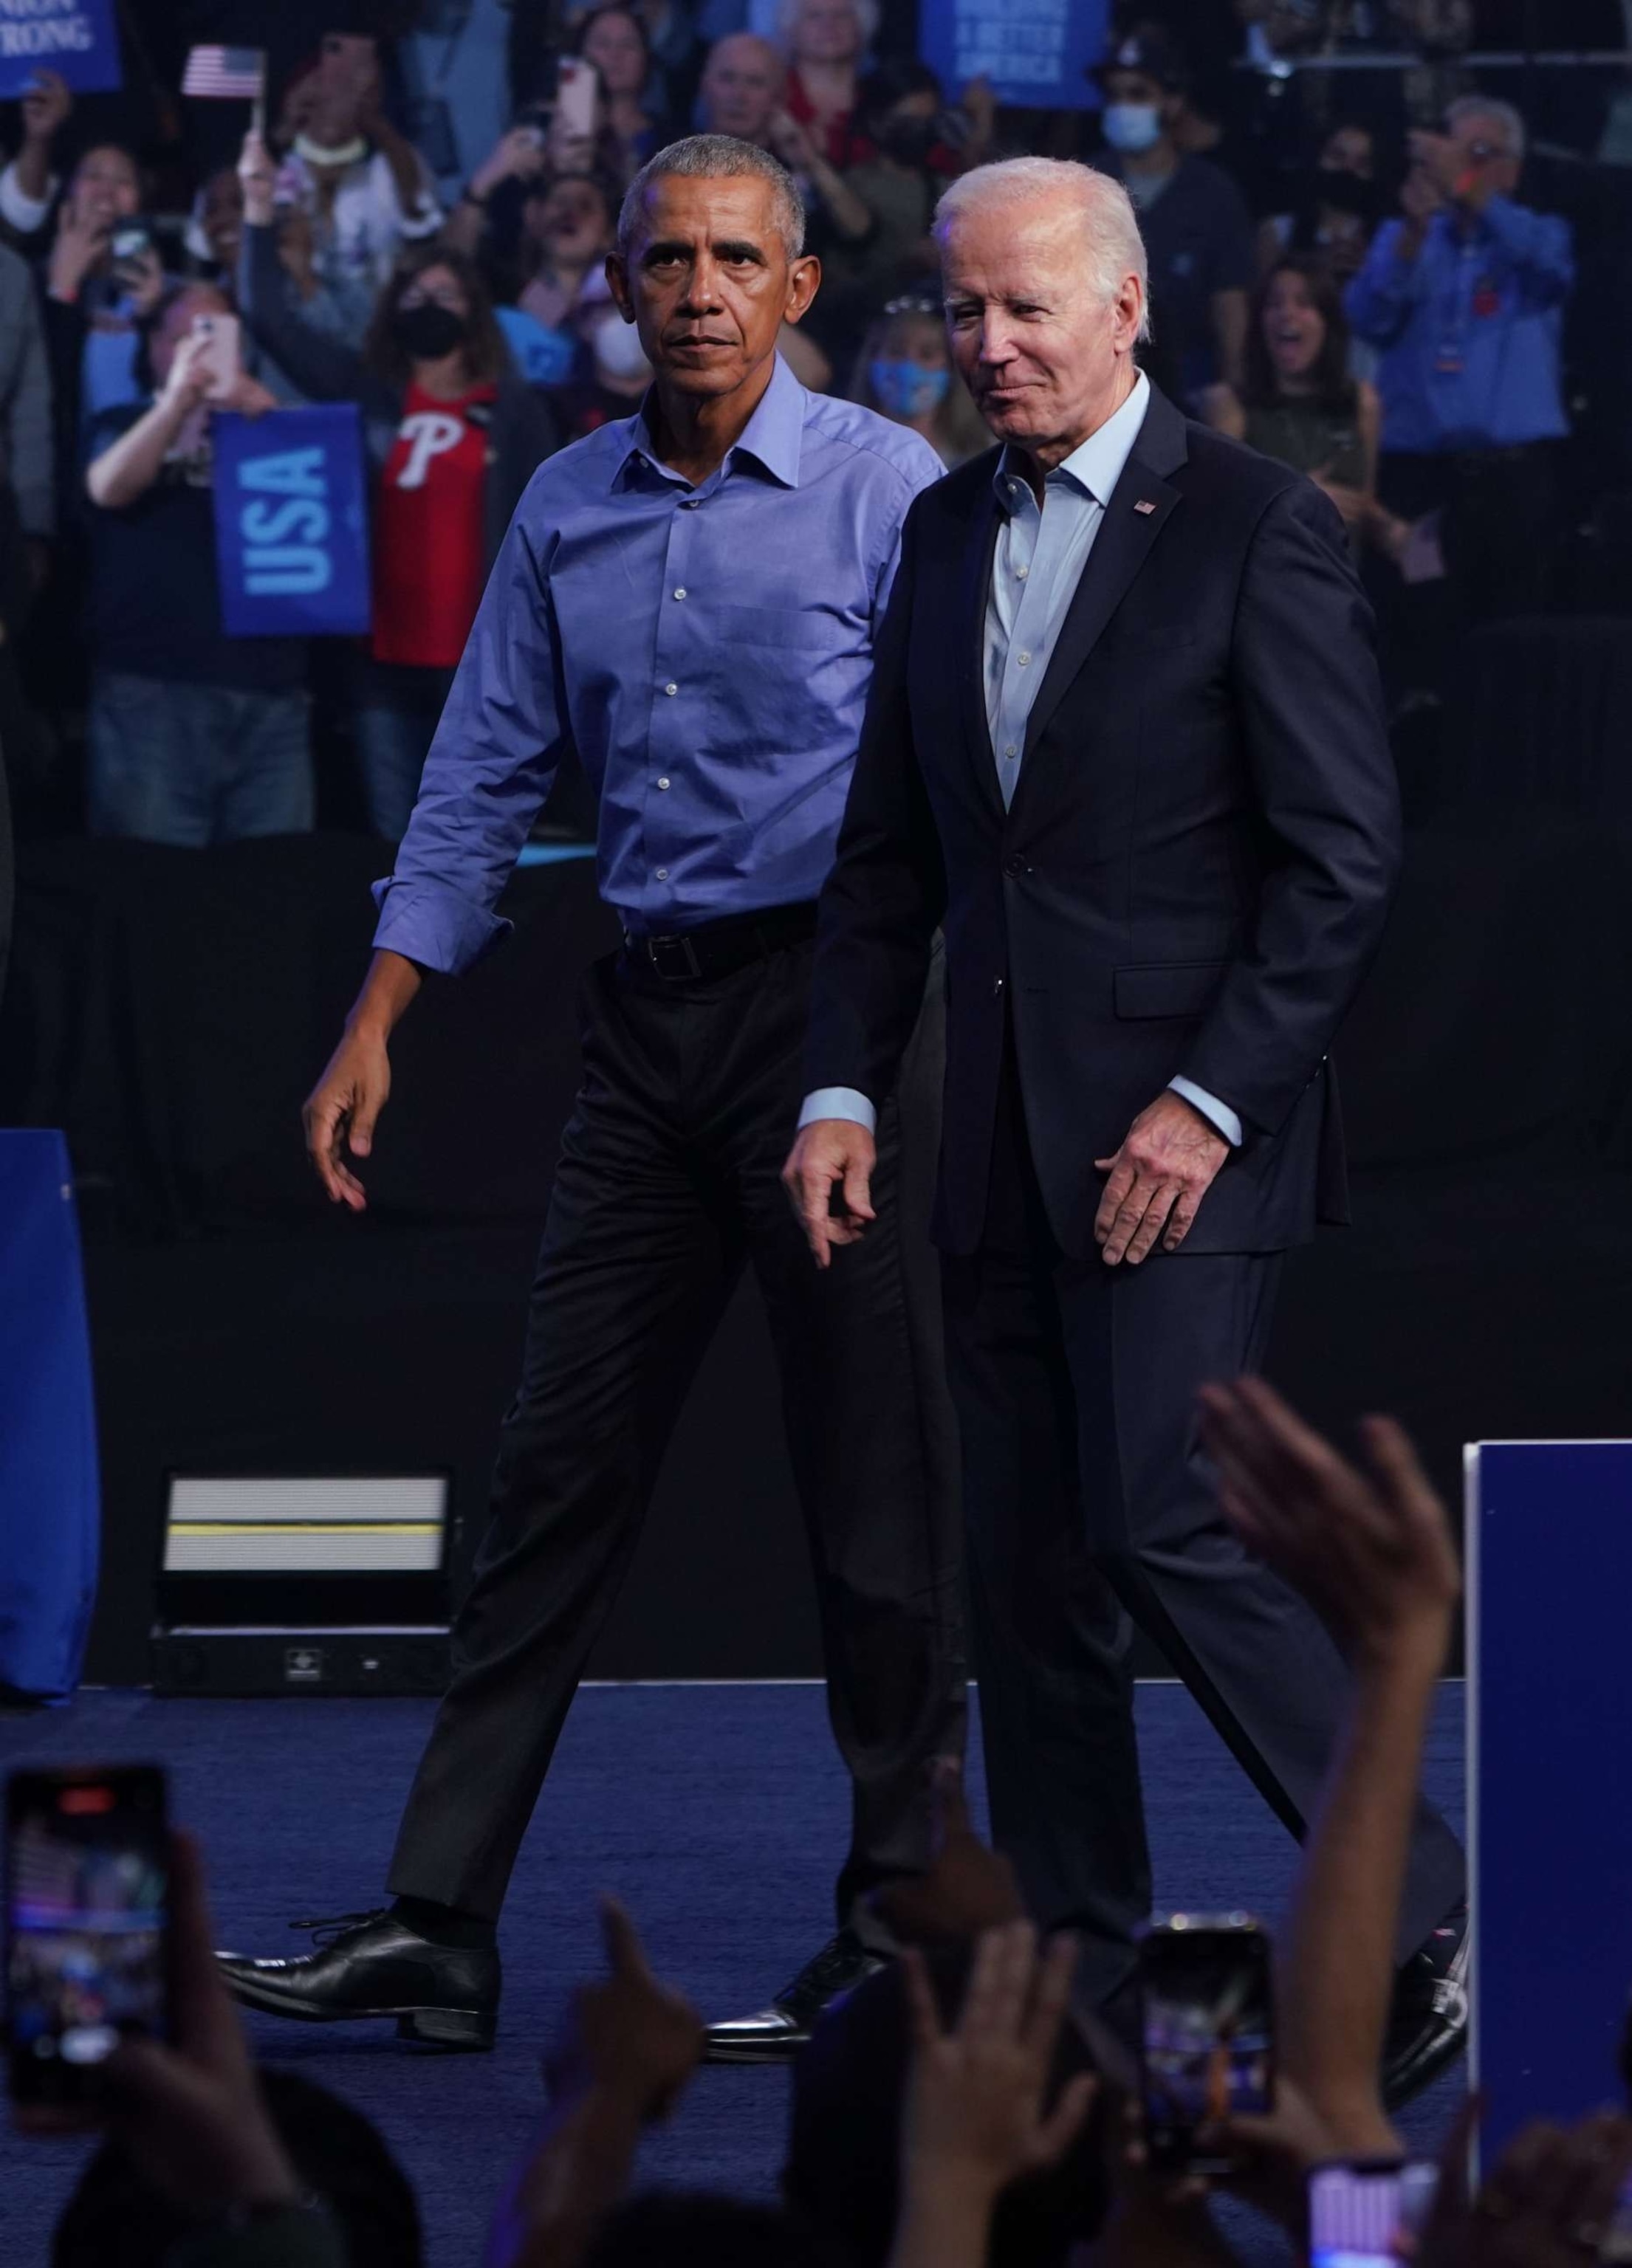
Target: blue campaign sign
74	38
292	523
1034	52
1549	1576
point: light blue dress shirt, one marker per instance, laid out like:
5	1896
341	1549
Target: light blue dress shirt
1036	564
706	651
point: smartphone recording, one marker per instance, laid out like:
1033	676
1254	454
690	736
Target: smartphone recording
1207	2032
86	1884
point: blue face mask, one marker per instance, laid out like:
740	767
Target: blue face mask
1131	126
907	389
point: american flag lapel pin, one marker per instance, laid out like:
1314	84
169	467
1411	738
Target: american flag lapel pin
1144	504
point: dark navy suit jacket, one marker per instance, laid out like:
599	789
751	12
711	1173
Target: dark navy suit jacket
1196	867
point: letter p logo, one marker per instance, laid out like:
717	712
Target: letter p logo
429	433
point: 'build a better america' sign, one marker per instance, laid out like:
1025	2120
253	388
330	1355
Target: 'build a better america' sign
75	38
1034	52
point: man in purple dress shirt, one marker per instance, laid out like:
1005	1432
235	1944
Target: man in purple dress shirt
688	600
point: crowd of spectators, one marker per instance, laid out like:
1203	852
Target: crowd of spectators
963	2105
1361	268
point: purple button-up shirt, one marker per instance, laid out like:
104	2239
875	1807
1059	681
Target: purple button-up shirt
706	651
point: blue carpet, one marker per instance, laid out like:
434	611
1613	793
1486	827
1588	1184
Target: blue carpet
712	1811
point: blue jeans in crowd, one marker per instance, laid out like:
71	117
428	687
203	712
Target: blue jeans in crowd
395	709
196	764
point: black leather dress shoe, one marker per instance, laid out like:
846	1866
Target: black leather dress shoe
373	1964
1427	2026
776	2034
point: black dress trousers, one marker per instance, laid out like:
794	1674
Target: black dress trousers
668	1186
1090	1508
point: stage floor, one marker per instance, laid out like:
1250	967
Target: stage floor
716	1812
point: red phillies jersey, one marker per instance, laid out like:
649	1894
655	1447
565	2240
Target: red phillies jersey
428	529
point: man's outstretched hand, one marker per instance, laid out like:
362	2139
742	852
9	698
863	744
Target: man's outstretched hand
831	1154
1158	1178
342	1110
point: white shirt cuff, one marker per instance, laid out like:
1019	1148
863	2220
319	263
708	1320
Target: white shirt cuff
1216	1112
24	214
838	1102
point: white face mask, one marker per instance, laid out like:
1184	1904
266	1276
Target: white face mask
617	349
1131	126
318	153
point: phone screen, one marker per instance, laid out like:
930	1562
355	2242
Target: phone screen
576	90
1353	2216
1208	2031
87	1871
221	353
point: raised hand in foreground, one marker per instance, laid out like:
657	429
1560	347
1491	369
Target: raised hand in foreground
975	2117
1550	2201
627	2046
630	2034
968	1887
1369	1549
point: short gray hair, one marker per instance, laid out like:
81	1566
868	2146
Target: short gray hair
1112	244
718	157
1499	113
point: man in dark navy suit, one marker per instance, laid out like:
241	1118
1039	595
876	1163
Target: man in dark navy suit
1125	744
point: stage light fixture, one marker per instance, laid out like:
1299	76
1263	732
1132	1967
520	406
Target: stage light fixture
304	1583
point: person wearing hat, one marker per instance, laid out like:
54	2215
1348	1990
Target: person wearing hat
1193	218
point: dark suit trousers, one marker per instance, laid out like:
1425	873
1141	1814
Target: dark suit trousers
1089	1509
667	1188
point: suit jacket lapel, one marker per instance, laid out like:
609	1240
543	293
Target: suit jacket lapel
975	584
1141	504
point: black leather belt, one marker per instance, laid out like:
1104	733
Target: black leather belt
716	948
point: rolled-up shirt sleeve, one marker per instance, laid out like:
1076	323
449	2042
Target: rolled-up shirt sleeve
503	734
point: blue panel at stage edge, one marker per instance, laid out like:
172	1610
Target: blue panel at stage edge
1034	52
49	1497
1549	1585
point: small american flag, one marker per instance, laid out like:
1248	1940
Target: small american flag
235	74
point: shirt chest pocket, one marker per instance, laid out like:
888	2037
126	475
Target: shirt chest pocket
810	629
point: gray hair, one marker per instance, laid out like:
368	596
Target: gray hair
1112	244
1499	113
718	157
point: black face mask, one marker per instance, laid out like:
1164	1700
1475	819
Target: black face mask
1346	192
427	332
909	141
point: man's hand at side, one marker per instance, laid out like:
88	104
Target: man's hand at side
342	1108
829	1154
1158	1178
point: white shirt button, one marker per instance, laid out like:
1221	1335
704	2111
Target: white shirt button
1021	658
662	783
662	873
1009	750
1023	573
671	689
681	593
689	504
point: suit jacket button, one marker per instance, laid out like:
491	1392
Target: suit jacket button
1015	864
